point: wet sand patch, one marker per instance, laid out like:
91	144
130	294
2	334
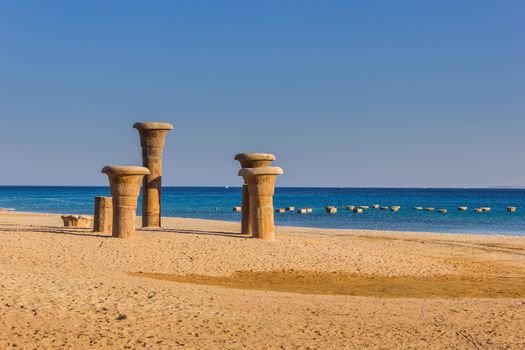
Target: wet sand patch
344	283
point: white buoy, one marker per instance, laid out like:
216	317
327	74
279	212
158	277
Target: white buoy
331	209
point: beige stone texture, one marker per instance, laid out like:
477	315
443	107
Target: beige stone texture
261	187
152	140
250	160
124	182
77	221
103	214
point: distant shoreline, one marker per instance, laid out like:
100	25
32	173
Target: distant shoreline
286	187
288	227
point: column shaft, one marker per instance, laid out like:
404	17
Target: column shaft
261	189
152	186
124	216
103	215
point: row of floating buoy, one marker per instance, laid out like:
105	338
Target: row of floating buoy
330	209
477	210
284	210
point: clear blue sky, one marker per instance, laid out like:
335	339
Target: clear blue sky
345	93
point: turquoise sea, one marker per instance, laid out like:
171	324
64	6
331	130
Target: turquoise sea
217	202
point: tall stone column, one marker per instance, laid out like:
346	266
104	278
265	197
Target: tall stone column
261	187
152	139
103	215
250	160
125	189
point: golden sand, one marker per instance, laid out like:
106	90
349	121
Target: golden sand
343	283
66	288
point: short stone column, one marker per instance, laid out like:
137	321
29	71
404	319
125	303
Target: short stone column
152	139
125	189
103	215
250	160
261	187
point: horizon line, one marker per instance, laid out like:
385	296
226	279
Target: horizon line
334	187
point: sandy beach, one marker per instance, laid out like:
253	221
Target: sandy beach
198	284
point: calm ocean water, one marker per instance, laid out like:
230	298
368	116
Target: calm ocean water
217	203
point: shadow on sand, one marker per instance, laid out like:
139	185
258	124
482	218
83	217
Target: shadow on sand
62	231
194	232
89	233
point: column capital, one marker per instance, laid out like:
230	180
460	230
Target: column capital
152	126
124	170
254	160
249	172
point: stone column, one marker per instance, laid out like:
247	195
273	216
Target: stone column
250	160
103	216
152	138
261	187
125	189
